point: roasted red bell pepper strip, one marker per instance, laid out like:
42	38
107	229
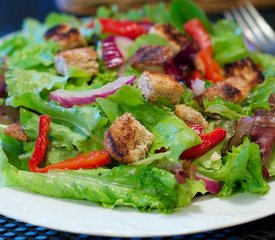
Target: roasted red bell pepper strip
213	71
196	127
197	31
41	144
89	160
124	28
209	141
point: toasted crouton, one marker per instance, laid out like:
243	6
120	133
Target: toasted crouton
190	115
78	58
233	89
175	39
151	58
15	131
65	36
127	140
156	85
245	69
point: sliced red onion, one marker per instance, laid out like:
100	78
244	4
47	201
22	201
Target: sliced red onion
198	87
211	185
70	98
115	50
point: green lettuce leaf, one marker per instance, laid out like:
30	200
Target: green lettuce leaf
21	81
182	11
228	42
224	108
65	143
34	56
86	119
55	18
12	44
12	149
271	164
258	97
33	30
142	187
61	136
241	171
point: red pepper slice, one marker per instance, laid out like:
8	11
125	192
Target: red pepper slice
89	160
197	31
213	71
41	143
124	28
209	141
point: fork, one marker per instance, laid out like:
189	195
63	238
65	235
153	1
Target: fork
255	29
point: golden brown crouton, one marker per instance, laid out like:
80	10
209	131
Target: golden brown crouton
15	131
65	36
245	69
79	58
155	86
151	58
127	140
190	115
233	89
175	39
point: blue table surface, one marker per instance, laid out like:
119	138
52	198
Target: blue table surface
12	12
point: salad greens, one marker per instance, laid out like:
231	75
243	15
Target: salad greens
28	65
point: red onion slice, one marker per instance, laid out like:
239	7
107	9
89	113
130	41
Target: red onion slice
70	98
115	50
211	185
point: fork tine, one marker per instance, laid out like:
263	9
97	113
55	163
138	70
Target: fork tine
257	32
255	28
235	15
266	29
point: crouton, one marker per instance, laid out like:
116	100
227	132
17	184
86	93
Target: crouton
127	140
190	115
175	39
79	58
151	58
65	36
15	131
155	86
245	69
233	89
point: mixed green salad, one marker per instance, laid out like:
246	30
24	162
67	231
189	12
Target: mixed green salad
145	109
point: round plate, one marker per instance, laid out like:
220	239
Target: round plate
205	213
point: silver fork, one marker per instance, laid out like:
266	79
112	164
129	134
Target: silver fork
255	29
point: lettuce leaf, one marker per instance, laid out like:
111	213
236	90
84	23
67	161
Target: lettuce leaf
12	148
21	81
224	108
258	98
86	119
142	187
182	11
242	170
55	18
271	164
65	142
12	44
34	56
228	42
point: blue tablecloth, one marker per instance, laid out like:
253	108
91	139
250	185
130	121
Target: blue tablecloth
12	12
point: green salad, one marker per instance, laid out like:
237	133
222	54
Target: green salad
147	108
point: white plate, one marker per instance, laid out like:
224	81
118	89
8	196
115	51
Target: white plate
205	213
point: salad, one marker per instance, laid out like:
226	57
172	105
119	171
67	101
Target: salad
146	109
